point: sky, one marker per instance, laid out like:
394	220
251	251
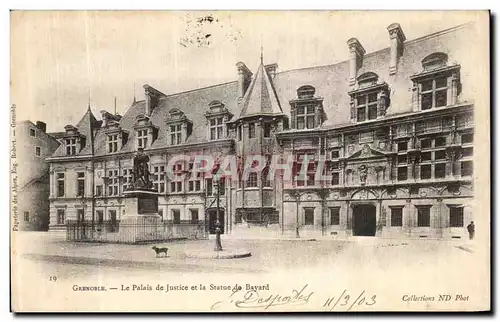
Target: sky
63	60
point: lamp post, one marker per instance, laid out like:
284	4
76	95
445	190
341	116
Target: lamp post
218	244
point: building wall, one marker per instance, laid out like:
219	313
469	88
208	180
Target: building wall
32	175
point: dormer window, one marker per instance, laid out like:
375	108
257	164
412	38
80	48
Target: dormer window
217	117
146	132
307	110
438	84
142	138
73	140
216	128
175	134
113	143
116	136
369	99
179	126
305	117
70	146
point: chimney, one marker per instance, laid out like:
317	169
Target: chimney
152	97
41	126
356	52
397	38
244	79
271	70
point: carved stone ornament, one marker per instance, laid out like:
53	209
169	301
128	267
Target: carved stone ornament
363	172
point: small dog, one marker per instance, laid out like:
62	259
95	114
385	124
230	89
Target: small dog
158	250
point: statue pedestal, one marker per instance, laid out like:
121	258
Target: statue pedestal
141	222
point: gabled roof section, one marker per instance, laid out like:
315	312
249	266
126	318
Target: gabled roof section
367	152
260	98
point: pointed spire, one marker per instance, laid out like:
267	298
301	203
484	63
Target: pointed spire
88	106
115	105
261	50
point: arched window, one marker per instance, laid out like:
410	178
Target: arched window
367	79
306	91
434	60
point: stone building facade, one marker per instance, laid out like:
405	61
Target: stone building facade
395	128
33	145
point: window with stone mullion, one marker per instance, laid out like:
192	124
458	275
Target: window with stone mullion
305	116
434	93
366	107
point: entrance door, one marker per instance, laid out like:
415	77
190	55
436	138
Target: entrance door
364	220
212	219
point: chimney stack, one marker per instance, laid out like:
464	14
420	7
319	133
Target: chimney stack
41	126
152	97
397	38
244	79
356	53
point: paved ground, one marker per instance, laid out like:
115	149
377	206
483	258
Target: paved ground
267	255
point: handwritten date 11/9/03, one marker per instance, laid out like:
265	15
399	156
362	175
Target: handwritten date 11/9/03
350	301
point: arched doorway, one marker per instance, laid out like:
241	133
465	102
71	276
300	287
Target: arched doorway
212	219
364	218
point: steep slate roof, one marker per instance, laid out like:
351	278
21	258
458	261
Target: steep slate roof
87	126
268	96
260	98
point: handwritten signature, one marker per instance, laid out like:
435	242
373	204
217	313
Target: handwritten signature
254	299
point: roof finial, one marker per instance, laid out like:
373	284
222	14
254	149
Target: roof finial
134	91
261	51
88	106
115	105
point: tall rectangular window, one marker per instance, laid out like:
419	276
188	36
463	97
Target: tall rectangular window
60	185
26	216
194	216
33	133
335	216
267	130
434	93
216	128
424	216
222	187
100	216
176	216
98	190
335	178
113	182
266	179
70	146
80	182
127	179
425	171
113	143
308	216
456	216
194	183
396	216
239	132
159	178
61	218
209	186
251	130
38	151
142	139
366	106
